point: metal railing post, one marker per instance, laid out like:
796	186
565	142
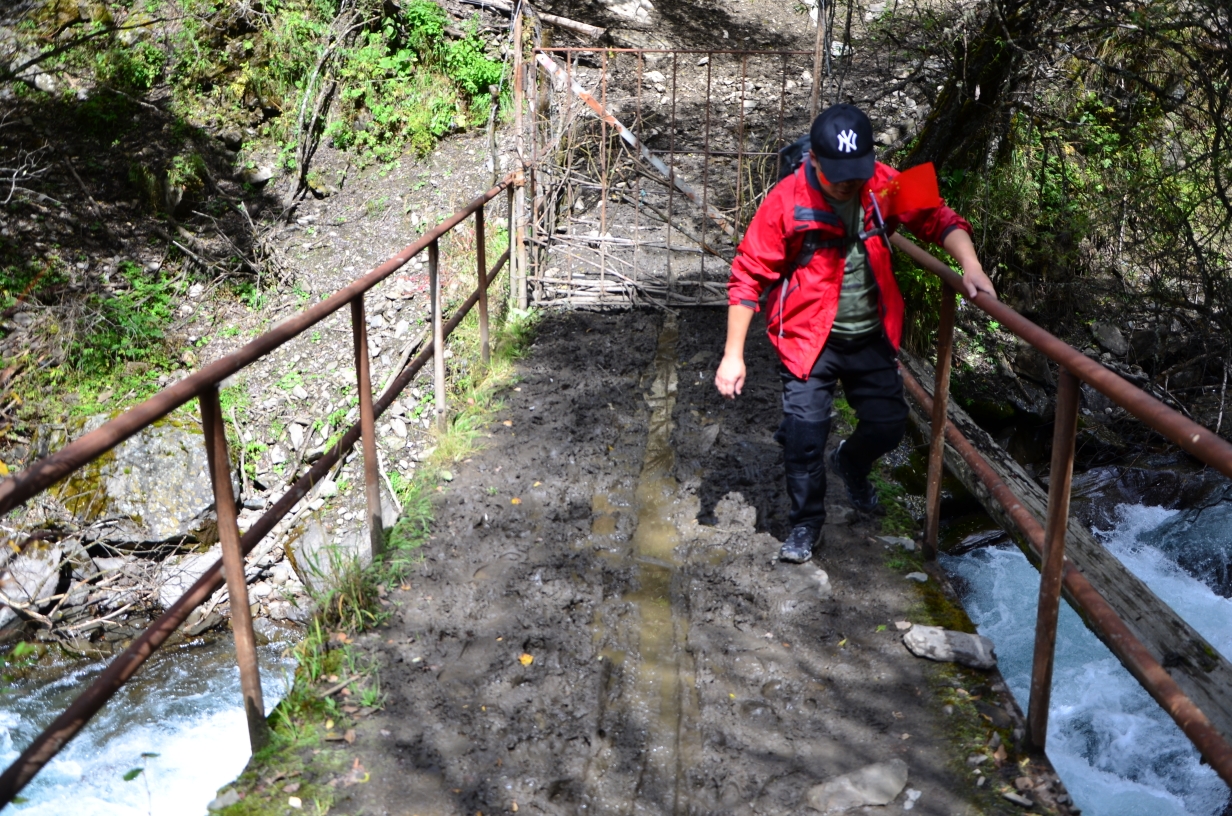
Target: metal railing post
481	263
233	567
941	400
438	335
1062	472
513	255
367	427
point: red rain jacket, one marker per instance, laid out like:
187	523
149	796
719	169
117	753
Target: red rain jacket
799	317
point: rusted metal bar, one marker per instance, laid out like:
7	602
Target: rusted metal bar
219	460
53	738
936	447
438	337
701	289
603	177
815	96
513	256
630	139
49	470
671	191
1102	618
519	280
744	85
481	274
565	49
637	178
1061	475
367	424
1189	435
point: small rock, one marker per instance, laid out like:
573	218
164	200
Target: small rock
1023	783
327	489
296	432
196	290
902	626
260	590
299	393
898	541
750	104
918	577
1018	799
398	427
735	514
233	138
704	61
225	799
256	175
947	646
277	455
913	796
876	784
1110	339
401	328
975	760
654	76
23	319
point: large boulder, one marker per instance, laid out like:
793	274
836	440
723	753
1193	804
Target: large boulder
153	488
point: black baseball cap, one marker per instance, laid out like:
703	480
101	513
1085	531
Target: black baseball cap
842	140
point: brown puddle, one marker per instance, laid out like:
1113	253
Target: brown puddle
658	693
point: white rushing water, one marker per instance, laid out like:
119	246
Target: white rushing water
184	705
1118	753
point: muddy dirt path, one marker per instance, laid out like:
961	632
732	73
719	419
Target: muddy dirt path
616	528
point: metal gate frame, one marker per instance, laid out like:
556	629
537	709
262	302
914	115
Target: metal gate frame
611	165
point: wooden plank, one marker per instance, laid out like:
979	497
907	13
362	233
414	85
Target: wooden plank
1203	674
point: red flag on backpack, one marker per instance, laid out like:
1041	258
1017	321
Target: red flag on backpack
914	189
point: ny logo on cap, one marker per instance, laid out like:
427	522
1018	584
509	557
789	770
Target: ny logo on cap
847	141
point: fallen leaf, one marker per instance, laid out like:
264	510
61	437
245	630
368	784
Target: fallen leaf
905	736
349	736
4	469
842	643
1000	755
732	696
292	788
902	626
295	802
514	807
508	423
526	659
515	500
350	709
329	724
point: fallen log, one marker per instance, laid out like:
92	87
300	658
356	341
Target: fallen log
1196	668
582	29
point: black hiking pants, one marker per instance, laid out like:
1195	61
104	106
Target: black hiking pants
868	370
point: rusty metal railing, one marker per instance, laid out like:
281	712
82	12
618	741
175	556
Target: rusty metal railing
204	386
1048	539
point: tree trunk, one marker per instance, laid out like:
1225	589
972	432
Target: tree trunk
970	108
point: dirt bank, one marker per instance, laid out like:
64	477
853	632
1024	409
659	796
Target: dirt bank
599	624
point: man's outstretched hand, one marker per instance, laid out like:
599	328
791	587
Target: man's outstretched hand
729	379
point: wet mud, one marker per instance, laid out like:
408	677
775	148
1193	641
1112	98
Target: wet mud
599	624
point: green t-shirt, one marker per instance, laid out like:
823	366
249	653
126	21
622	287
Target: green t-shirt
858	313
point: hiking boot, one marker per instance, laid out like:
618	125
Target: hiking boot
798	547
859	488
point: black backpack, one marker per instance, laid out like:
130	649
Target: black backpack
792	156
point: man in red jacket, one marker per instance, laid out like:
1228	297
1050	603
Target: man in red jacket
819	247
